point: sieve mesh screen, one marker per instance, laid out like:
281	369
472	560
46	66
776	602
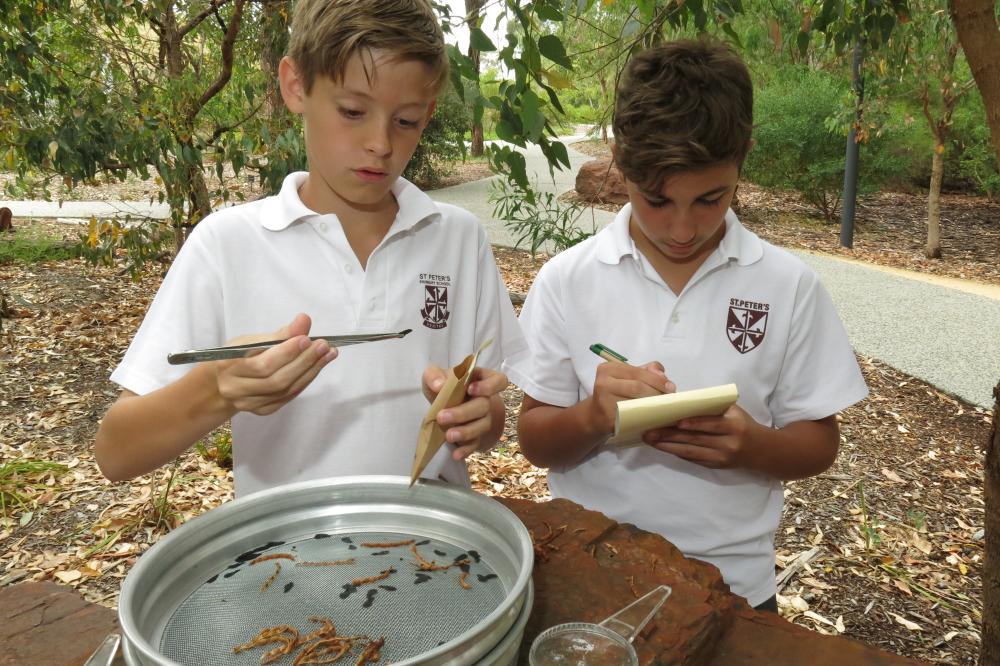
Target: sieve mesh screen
414	610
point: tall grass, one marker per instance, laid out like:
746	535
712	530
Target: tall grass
22	479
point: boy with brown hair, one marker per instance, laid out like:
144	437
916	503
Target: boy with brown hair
677	280
354	245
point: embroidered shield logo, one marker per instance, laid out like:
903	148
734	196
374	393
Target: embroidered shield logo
746	325
435	311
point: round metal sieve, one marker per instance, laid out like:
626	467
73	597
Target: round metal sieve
215	582
503	653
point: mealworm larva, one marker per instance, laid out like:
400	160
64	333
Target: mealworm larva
325	564
267	583
358	582
461	580
272	556
389	544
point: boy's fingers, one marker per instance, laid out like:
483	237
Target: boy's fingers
271	361
656	379
487	383
464	413
285	377
274	373
299	325
464	451
434	378
272	402
654	366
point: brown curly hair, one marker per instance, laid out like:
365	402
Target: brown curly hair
684	105
326	34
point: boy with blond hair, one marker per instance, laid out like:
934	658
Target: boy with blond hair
352	244
677	280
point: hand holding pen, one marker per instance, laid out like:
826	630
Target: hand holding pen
618	380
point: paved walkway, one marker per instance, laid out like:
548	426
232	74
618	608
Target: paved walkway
947	336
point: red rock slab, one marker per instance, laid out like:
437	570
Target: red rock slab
45	624
587	567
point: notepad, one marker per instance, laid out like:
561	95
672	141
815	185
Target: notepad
640	415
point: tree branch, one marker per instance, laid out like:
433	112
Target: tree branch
227	59
213	7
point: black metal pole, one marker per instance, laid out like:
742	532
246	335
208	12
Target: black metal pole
851	157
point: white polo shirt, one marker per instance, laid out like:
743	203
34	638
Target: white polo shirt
251	268
753	315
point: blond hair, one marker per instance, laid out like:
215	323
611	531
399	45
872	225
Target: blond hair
326	34
684	105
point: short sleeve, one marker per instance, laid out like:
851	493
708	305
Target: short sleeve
546	373
819	373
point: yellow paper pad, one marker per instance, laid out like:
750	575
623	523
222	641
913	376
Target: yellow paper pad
452	393
638	416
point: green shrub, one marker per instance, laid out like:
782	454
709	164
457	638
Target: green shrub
972	149
29	246
538	218
798	146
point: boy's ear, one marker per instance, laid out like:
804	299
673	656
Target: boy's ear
430	111
293	88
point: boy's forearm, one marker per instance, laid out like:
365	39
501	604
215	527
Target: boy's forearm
141	433
797	451
551	436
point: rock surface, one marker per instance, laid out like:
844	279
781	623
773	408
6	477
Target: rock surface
600	181
587	567
46	623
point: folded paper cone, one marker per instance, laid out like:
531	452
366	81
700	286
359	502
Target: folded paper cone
452	393
641	415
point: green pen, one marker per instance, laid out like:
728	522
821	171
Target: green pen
607	354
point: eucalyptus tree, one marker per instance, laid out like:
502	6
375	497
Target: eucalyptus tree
926	56
122	87
977	25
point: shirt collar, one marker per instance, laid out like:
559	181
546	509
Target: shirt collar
738	243
281	211
615	241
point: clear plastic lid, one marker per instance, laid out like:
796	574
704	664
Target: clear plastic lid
606	644
581	644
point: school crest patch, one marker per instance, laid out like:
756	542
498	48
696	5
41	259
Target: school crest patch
435	311
746	324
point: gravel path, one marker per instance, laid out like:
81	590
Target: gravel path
944	336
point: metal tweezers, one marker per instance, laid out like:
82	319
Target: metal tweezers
238	351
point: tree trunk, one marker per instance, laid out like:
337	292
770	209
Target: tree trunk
472	18
989	654
976	24
933	249
274	31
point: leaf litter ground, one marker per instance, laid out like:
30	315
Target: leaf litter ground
886	547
